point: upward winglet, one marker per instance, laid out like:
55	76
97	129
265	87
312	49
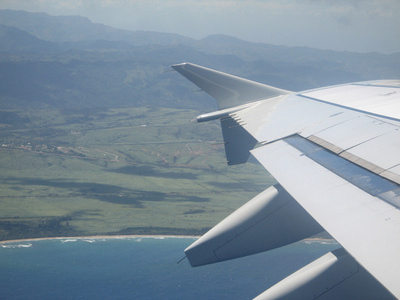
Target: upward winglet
228	90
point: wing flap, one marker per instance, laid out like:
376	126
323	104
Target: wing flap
365	225
366	140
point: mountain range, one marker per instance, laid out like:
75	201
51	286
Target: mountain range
68	61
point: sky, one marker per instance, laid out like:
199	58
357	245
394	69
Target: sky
343	25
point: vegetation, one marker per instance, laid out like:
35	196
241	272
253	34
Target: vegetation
116	171
95	136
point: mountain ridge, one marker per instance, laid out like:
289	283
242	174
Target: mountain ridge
76	29
129	67
72	28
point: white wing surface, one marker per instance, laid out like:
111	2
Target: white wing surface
336	153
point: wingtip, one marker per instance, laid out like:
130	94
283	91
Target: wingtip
177	66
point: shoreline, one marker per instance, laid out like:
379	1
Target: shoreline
92	237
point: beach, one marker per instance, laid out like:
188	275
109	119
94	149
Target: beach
92	237
97	237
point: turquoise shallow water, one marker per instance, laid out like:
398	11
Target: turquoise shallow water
139	268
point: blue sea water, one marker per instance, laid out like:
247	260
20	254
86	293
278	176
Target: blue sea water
139	268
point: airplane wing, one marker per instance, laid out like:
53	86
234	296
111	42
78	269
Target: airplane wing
335	152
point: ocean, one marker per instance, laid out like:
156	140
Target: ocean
139	268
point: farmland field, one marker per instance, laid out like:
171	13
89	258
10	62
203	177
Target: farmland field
116	171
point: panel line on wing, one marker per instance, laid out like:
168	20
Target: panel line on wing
349	108
377	85
388	173
364	179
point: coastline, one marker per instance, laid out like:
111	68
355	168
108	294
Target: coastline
93	237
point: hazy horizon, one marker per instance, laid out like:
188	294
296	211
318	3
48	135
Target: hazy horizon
356	26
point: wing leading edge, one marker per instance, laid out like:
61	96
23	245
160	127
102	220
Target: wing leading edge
336	153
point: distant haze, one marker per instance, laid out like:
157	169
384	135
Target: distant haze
351	25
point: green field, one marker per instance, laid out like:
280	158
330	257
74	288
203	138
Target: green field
116	171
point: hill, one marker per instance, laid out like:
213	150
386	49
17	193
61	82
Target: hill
68	61
77	29
15	40
95	134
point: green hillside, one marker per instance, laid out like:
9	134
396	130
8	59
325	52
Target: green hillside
116	171
95	133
